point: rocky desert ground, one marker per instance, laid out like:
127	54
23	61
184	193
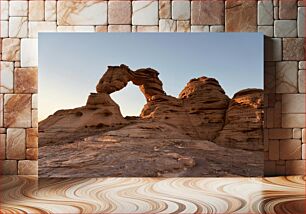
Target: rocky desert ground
202	132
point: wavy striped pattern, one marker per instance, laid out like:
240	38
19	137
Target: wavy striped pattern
26	194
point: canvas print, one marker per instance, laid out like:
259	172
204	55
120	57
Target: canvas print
150	105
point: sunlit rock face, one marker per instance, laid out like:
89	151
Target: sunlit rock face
200	133
244	121
199	111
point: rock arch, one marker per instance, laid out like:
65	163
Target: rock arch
117	77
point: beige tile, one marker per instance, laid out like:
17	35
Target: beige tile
18	27
301	82
145	13
4	29
1	110
34	101
285	28
141	28
75	29
293	103
90	12
266	30
7	77
180	10
167	25
27	167
301	22
36	10
36	27
265	12
29	53
297	133
293	120
216	28
18	8
50	10
286	77
4	10
199	28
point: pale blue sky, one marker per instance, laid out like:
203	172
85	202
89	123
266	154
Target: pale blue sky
71	64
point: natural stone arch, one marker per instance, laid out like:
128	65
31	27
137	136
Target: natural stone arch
117	77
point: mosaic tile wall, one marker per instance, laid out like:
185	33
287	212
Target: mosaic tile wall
282	21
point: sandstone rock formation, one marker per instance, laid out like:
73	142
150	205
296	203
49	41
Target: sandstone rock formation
201	133
244	121
117	77
199	111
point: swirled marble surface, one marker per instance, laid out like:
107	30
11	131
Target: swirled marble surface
26	194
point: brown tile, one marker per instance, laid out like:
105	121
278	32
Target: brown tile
205	12
287	9
17	110
28	167
279	134
26	80
8	167
280	170
15	144
164	9
32	138
273	150
269	77
295	167
11	49
2	146
293	49
290	149
269	168
101	28
241	16
119	12
32	154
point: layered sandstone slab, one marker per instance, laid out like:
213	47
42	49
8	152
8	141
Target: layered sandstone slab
244	121
199	111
